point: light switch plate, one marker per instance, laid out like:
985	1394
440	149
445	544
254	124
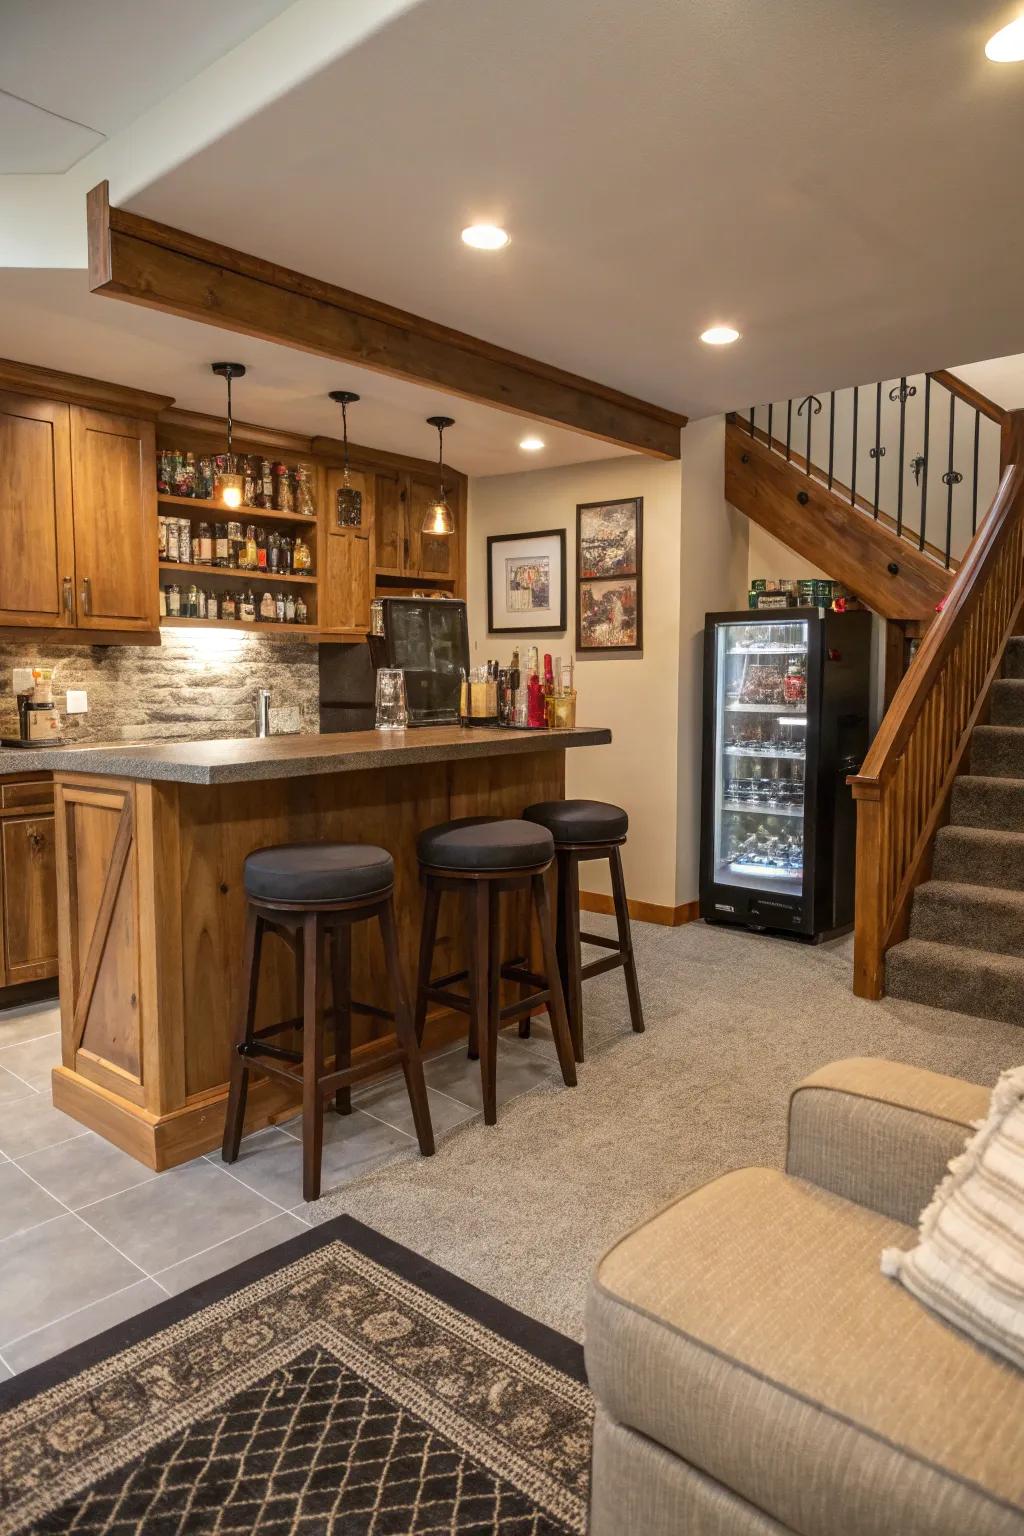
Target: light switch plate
21	679
77	702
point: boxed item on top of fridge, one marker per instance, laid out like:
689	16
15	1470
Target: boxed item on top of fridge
771	600
773	584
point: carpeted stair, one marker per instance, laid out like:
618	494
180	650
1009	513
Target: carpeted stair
966	944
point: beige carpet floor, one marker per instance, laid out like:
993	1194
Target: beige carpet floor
524	1209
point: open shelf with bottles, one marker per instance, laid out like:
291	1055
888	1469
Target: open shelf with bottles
237	514
232	573
268	629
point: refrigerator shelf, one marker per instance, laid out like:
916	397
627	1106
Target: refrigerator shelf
764	810
786	757
767	650
763	871
798	711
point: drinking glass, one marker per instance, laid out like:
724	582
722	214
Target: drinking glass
392	714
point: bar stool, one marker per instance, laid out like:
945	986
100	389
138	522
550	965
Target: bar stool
587	829
479	858
306	893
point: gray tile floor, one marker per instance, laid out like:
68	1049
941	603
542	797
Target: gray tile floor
89	1237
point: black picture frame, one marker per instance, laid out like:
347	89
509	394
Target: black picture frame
596	579
557	534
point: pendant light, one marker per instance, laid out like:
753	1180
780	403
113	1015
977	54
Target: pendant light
439	519
349	503
230	485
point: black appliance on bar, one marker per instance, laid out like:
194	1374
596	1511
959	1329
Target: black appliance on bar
786	718
428	637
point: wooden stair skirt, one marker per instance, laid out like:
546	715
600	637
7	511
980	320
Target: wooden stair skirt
885	572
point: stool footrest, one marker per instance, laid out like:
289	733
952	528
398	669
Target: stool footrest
515	972
598	967
525	1005
371	1010
451	999
261	1048
599	941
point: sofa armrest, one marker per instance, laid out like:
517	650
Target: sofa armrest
880	1133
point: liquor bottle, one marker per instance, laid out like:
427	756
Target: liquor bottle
273	553
302	555
204	545
536	712
267	607
261	550
251	562
279	608
289	608
287	555
247	608
300	610
220	544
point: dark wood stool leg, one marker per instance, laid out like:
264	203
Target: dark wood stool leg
428	938
570	959
559	1022
412	1064
312	1059
238	1092
473	1047
480	995
340	940
636	1012
493	971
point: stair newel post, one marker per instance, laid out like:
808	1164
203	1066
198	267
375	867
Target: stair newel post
871	875
1011	439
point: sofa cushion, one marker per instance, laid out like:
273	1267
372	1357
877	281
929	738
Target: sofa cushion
747	1328
969	1264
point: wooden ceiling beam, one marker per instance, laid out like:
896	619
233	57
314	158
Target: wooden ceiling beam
139	260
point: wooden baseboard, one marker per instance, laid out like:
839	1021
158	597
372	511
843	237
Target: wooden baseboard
643	911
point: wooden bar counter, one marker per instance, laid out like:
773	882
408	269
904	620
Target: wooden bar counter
150	844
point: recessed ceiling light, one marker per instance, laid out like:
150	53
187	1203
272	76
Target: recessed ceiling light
485	237
531	444
719	335
1007	45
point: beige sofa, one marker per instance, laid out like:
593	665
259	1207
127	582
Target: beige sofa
756	1374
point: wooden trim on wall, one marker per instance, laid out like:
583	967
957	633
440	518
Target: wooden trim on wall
144	262
643	911
76	389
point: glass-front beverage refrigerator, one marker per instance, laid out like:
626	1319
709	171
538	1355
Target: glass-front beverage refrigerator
786	718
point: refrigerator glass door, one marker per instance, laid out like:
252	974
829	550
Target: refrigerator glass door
760	752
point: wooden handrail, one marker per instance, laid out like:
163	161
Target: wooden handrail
969	395
904	785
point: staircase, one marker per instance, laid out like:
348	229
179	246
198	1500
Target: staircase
881	486
966	944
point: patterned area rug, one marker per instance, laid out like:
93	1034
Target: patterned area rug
351	1388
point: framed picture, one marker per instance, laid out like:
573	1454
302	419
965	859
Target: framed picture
526	582
609	575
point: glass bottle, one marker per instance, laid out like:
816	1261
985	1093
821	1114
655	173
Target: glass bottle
261	550
300	609
289	608
273	553
228	606
204	545
267	608
302	555
251	561
247	608
220	544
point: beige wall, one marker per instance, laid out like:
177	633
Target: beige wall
695	557
768	556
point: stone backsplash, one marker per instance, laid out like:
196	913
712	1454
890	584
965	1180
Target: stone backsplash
193	686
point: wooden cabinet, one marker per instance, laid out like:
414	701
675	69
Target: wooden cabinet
28	890
402	503
77	518
347	560
113	481
37	559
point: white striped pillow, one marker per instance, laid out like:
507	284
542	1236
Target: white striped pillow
969	1263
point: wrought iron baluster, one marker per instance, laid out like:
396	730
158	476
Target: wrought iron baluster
951	477
924	459
789	428
813	405
831	435
902	396
753	408
771	411
853	463
878	451
974	492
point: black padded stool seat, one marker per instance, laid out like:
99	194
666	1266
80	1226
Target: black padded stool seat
482	843
318	872
579	821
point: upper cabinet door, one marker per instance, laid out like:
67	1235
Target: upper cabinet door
430	555
113	467
390	531
37	572
346	562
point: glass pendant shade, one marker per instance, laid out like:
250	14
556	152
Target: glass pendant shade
439	520
229	489
348	502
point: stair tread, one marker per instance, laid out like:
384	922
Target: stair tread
999	730
994	837
931	952
965	894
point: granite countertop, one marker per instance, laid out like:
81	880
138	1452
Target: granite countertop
285	757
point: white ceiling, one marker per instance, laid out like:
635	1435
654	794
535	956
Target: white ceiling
76	71
834	179
50	318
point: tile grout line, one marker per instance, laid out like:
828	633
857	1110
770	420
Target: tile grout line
89	1225
286	1210
75	1311
51	1034
213	1246
62	1143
